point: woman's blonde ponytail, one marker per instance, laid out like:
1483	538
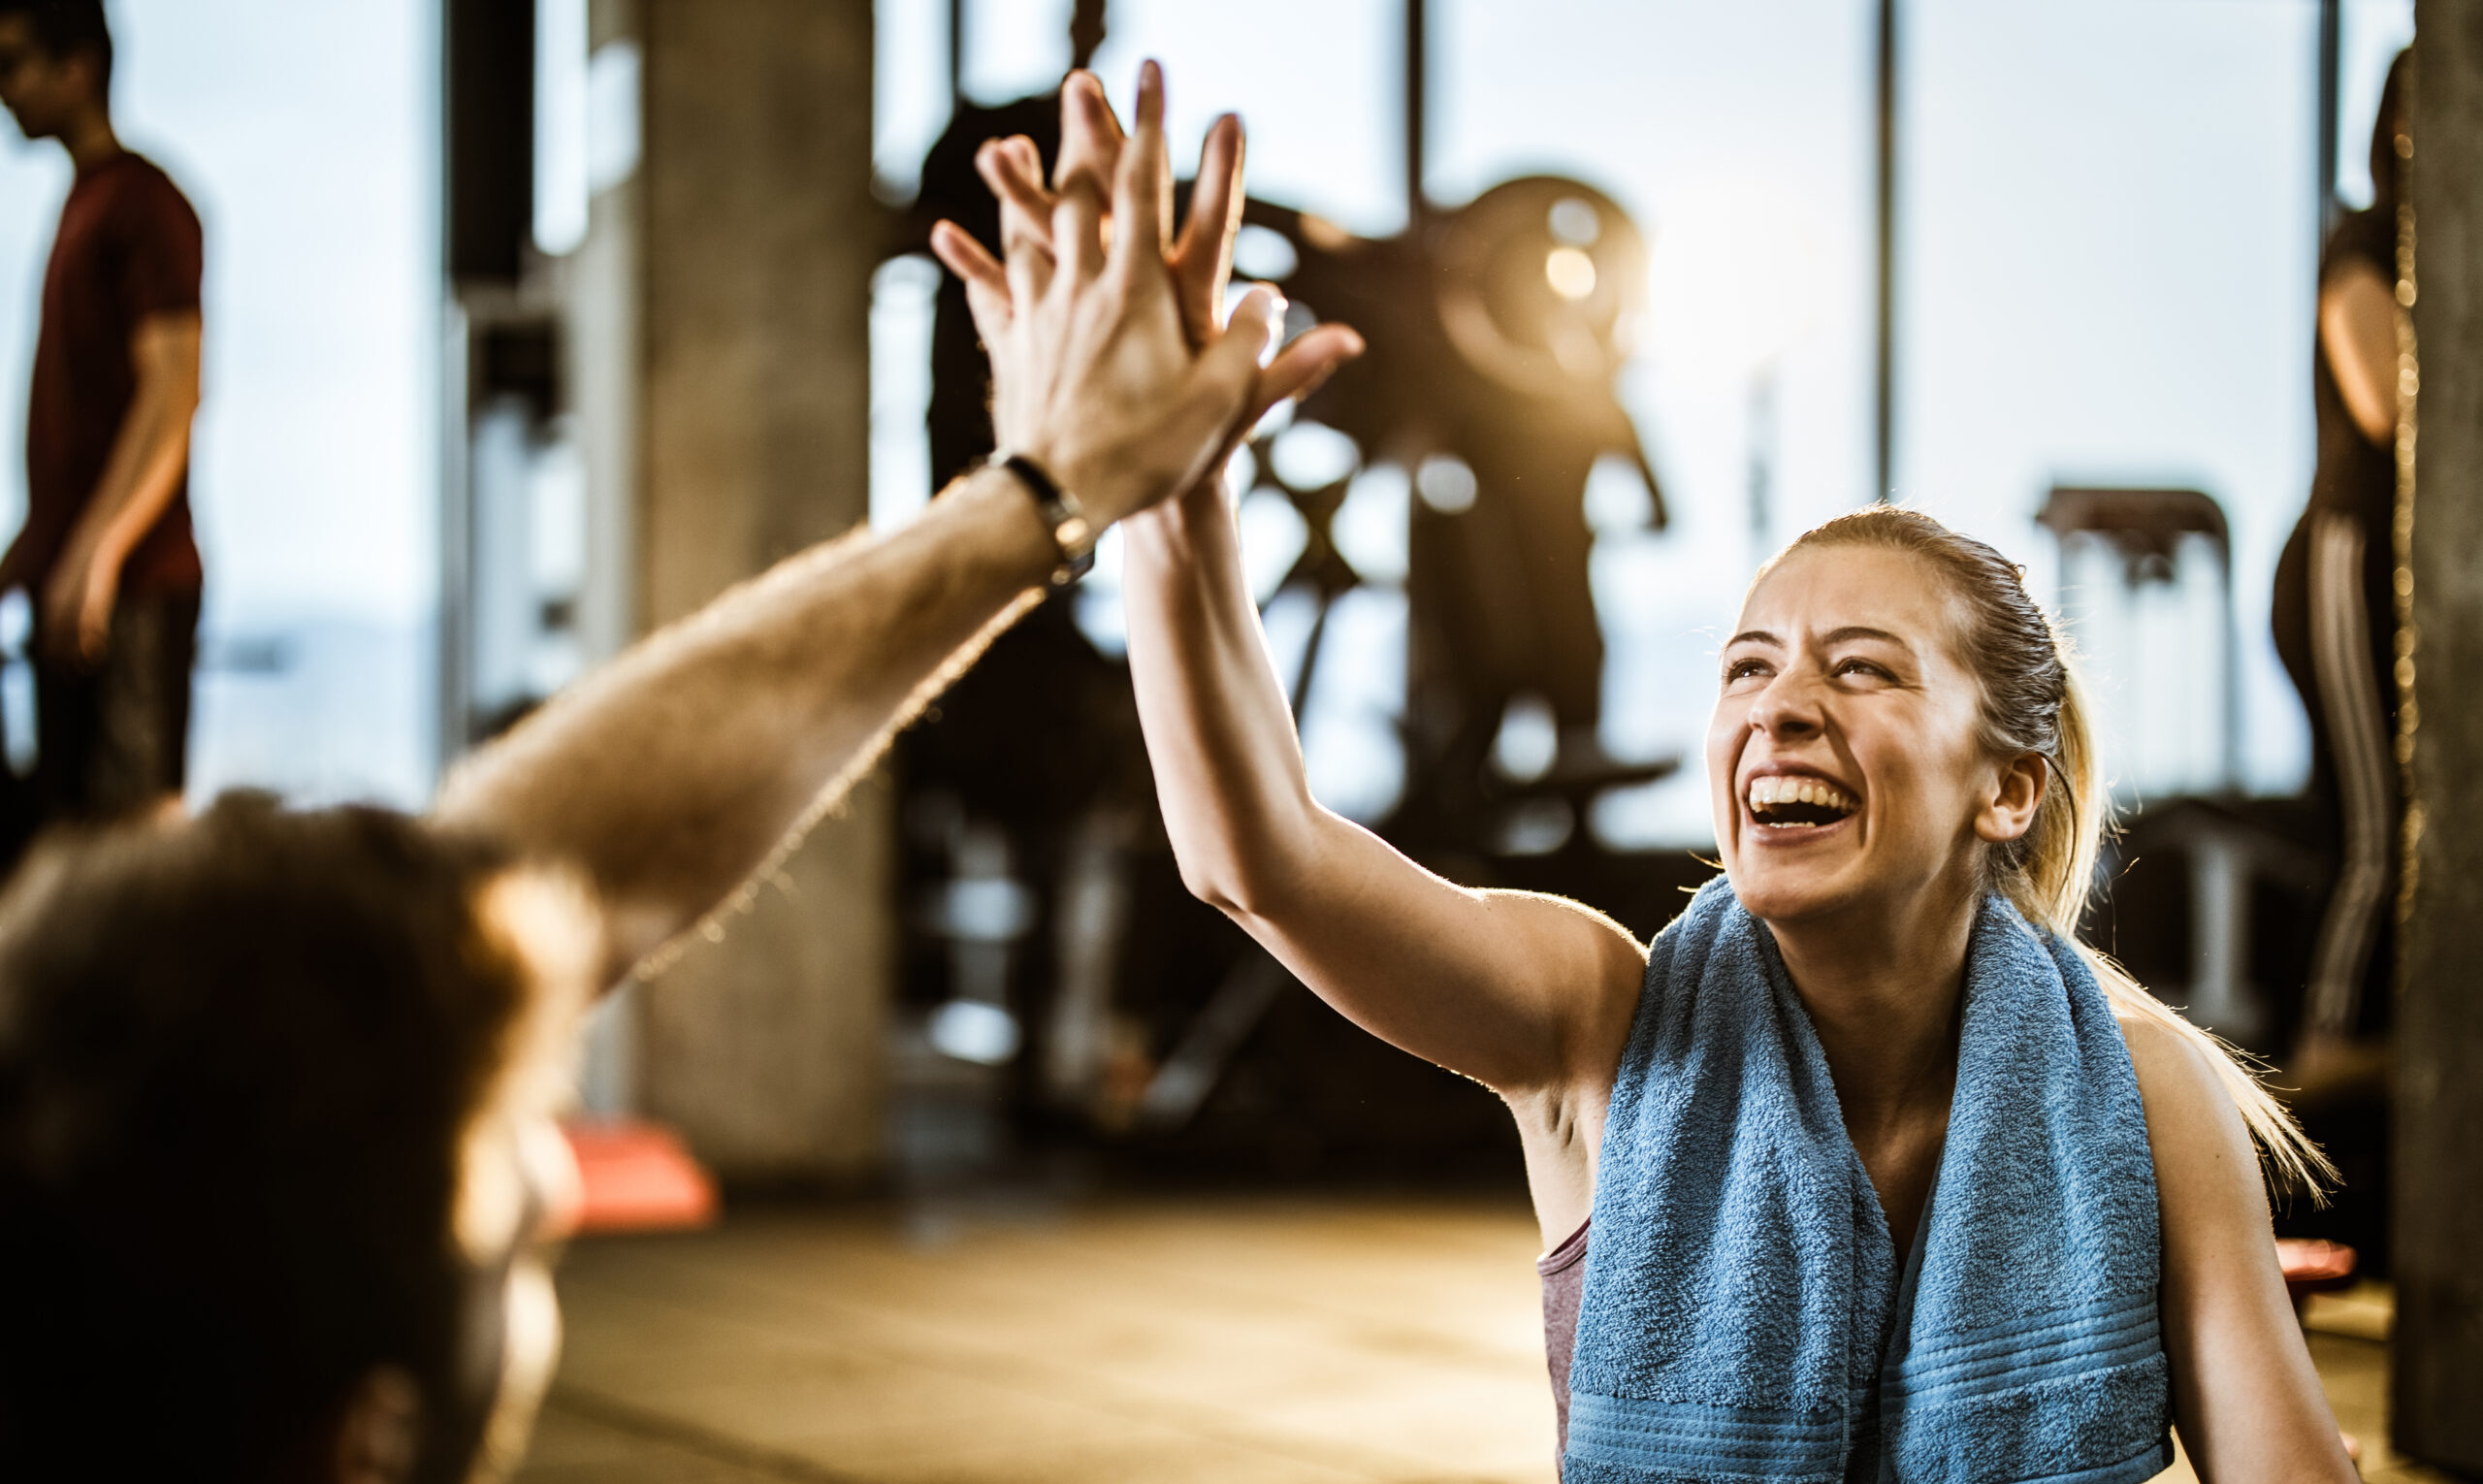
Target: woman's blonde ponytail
2059	878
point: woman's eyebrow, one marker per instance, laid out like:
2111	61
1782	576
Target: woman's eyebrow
1754	636
1853	631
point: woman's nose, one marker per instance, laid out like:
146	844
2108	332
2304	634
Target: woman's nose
1787	708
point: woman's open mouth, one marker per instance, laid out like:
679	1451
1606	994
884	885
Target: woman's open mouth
1786	804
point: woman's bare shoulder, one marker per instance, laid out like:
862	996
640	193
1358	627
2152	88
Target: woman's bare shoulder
2198	1134
1584	931
1604	967
2168	1060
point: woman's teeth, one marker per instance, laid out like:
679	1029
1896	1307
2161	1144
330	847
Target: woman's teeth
1783	800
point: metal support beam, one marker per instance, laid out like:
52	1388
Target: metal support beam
1883	420
956	54
1418	66
2330	42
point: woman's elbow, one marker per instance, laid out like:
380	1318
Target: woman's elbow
1240	884
1214	883
1238	861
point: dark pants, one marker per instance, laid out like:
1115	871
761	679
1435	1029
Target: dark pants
2335	615
115	739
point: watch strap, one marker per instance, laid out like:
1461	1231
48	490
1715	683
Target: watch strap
1072	532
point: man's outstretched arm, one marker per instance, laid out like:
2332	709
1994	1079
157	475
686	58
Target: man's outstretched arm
672	774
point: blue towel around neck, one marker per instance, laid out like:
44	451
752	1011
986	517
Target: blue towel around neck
1745	1316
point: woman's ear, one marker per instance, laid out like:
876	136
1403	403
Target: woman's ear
380	1435
2017	793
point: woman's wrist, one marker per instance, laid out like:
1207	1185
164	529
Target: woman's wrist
1167	536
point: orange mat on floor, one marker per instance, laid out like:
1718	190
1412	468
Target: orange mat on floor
636	1176
2313	1267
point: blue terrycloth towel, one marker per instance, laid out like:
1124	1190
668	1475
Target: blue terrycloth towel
1745	1315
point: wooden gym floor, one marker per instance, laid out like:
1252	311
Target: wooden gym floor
1187	1341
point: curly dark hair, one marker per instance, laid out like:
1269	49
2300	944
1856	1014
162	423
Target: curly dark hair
237	1060
64	27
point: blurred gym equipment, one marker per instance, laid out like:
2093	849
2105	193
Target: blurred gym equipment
1107	1002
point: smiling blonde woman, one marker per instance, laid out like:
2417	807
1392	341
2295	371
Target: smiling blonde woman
1887	1176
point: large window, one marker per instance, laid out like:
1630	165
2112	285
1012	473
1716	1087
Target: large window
2109	233
2106	232
1738	137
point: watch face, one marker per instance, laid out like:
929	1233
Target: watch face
1075	567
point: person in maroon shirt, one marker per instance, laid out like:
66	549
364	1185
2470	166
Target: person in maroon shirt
106	552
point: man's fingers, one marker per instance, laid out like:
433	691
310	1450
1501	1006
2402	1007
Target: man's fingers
957	250
1095	110
987	282
1143	184
1030	215
1082	186
1077	230
1311	359
1025	216
1090	136
1162	157
1215	204
1202	257
992	312
1090	149
1030	271
1003	164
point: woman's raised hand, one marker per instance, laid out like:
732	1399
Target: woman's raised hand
1111	363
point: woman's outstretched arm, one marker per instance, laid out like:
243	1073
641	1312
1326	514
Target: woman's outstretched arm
1527	994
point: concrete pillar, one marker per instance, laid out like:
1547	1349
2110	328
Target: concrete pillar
2438	1361
756	238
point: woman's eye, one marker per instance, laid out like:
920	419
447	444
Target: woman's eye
1860	667
1743	669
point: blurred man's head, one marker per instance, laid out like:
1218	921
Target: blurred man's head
55	62
275	1092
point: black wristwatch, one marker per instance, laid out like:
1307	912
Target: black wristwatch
1071	531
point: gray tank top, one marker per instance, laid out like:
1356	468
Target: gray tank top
1564	1270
